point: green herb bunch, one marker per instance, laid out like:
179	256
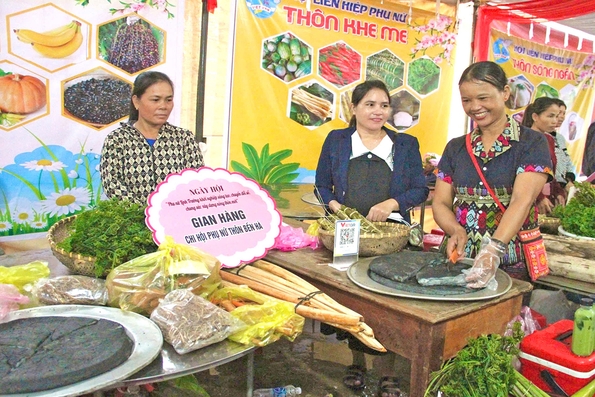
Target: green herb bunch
483	368
113	233
578	216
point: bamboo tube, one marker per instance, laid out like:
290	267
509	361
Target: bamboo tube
278	270
282	284
310	312
360	330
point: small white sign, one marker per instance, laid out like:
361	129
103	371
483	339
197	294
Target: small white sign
346	248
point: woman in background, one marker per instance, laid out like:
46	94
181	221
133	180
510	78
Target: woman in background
143	151
542	116
379	173
515	162
563	161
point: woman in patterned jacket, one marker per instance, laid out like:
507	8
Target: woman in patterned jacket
143	151
516	163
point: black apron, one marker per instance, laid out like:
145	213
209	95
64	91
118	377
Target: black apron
368	182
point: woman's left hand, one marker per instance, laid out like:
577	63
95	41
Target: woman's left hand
381	211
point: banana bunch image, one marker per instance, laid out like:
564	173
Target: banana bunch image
56	43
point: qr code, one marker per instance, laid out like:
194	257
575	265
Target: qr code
346	236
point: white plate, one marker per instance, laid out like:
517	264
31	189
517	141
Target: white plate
145	335
358	273
567	234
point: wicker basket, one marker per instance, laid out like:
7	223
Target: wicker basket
77	264
549	224
393	238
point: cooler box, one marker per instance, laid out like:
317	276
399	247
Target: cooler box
432	240
549	350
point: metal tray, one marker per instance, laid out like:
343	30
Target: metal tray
145	334
358	273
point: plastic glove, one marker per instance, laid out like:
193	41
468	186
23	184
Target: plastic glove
486	263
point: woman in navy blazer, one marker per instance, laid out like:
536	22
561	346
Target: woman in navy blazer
378	172
406	183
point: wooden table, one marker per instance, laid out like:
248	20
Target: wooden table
425	332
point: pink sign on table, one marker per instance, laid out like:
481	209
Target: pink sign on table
219	212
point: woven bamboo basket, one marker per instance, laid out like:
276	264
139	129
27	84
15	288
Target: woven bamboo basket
393	238
549	224
76	263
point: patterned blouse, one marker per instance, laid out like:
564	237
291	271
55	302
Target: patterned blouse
517	150
131	168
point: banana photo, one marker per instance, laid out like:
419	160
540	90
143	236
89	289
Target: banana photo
60	42
48	37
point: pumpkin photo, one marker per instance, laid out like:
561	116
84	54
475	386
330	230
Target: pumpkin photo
21	94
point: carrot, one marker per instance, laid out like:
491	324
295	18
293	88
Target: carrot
227	305
454	256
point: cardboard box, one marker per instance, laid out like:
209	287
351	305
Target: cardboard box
549	350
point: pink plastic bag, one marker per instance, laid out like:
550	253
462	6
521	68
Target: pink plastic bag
10	298
292	238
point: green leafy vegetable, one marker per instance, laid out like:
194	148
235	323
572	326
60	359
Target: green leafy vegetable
113	233
3	73
423	75
482	368
578	216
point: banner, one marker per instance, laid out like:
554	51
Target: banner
66	74
295	64
535	70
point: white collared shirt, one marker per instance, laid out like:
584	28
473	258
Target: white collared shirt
384	149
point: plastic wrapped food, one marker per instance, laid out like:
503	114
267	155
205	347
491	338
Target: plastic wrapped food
139	284
189	322
76	290
267	319
10	298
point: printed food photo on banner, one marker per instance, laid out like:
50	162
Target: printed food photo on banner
308	57
66	73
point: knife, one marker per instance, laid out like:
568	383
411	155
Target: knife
452	259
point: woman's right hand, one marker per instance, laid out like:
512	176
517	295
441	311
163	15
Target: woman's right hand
545	206
457	241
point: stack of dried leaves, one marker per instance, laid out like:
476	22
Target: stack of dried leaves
113	233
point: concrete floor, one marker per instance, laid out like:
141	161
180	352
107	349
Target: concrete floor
314	362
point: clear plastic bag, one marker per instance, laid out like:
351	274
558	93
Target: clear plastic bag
267	319
75	290
140	283
10	299
189	322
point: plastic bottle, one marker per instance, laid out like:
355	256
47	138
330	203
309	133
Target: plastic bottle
285	391
583	340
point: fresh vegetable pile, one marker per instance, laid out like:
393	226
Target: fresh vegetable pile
578	216
113	233
286	57
484	369
339	64
423	75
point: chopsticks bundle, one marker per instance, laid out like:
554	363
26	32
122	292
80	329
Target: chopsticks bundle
272	280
